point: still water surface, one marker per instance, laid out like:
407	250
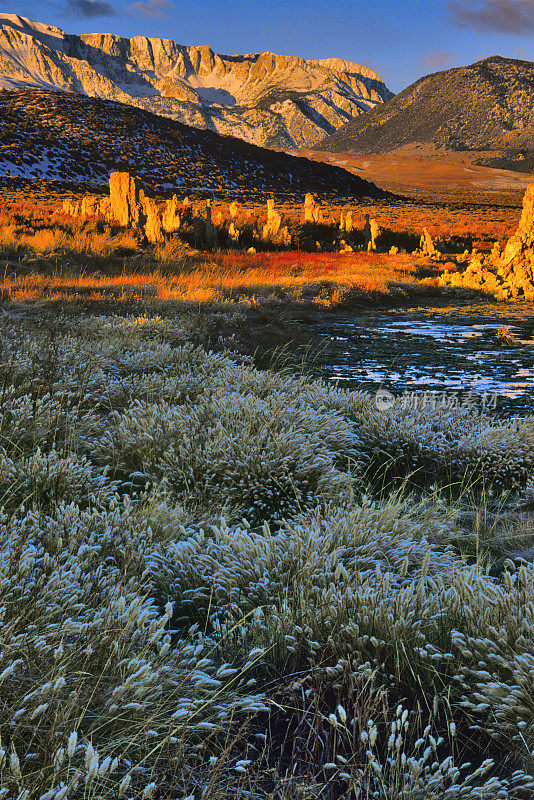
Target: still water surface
456	352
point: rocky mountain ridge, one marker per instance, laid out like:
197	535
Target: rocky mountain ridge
264	98
486	106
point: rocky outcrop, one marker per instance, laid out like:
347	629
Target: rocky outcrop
171	219
273	231
267	99
129	207
150	218
272	226
233	233
509	275
124	196
345	221
89	206
426	244
522	242
309	208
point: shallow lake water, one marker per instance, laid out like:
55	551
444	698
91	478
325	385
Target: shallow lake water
434	355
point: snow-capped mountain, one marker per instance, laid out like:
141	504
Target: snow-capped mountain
267	99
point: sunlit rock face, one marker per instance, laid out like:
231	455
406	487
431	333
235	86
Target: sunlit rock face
124	195
508	275
266	99
519	250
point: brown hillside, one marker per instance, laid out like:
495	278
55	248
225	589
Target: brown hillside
77	140
485	106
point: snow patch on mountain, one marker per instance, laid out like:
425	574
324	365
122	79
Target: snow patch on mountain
265	98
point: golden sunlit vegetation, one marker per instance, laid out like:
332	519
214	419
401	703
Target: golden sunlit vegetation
322	279
48	254
40	211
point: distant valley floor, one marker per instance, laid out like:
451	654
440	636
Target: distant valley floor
430	175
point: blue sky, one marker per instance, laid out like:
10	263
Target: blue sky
399	39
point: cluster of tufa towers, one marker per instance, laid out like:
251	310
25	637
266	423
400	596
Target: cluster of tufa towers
128	206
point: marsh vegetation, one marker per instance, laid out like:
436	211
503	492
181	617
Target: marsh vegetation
218	581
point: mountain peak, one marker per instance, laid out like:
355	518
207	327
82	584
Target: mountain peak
267	99
28	25
485	106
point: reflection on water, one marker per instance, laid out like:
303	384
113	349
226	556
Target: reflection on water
431	355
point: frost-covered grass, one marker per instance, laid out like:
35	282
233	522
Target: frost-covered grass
206	589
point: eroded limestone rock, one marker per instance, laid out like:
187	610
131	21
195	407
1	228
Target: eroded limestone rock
509	275
171	219
89	206
129	207
71	207
309	206
124	198
523	239
272	226
426	244
150	218
371	231
318	214
284	236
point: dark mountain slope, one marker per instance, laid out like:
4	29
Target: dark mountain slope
485	106
70	138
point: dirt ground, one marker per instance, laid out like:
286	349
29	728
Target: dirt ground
424	173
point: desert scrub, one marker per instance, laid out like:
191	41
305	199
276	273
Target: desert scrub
263	458
193	564
43	482
87	661
310	576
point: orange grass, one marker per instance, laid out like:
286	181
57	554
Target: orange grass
48	241
61	255
321	278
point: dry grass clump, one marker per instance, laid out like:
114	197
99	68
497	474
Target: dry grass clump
35	228
324	280
453	446
201	596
